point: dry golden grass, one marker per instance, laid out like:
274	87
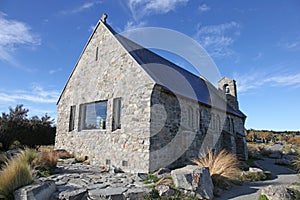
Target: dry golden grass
3	159
29	155
48	160
63	154
46	148
15	174
223	167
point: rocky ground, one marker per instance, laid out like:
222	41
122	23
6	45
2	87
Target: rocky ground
281	176
81	181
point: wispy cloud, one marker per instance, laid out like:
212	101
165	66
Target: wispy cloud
14	33
142	8
290	45
203	8
81	8
256	80
53	71
132	25
35	94
218	38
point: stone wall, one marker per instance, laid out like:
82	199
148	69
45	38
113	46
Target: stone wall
158	128
110	74
181	129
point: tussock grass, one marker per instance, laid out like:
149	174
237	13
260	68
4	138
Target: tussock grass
48	160
3	159
15	174
63	154
223	167
29	155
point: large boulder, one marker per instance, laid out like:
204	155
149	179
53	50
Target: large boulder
37	190
195	179
279	192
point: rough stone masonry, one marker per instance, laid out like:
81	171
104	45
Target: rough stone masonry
118	108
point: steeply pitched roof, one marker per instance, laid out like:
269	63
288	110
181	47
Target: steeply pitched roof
167	74
173	77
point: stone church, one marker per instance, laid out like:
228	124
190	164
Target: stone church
125	106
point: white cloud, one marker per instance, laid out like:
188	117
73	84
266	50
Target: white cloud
132	25
256	80
203	8
140	8
53	71
290	45
36	94
81	8
216	39
12	34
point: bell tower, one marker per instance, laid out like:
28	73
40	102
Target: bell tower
228	87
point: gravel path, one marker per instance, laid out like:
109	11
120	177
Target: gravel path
251	190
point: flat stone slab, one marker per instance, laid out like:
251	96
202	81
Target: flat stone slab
37	190
107	193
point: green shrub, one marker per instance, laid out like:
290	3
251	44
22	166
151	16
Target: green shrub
151	179
254	176
296	193
15	145
263	197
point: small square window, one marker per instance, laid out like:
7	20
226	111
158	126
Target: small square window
124	163
107	162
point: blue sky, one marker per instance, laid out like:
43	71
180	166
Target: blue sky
255	42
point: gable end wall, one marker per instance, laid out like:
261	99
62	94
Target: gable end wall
115	74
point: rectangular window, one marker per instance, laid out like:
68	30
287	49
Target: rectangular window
124	163
93	115
97	53
116	118
72	118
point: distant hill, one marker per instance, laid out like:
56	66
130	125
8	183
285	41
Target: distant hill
273	132
253	135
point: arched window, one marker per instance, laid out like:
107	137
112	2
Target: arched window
228	124
190	117
226	89
197	116
218	123
232	125
200	119
212	121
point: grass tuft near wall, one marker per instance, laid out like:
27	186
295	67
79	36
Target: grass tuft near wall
223	167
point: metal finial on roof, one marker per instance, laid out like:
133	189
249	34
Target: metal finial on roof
104	17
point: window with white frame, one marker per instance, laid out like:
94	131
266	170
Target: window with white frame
93	115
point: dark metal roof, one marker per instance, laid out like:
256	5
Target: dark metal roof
173	77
